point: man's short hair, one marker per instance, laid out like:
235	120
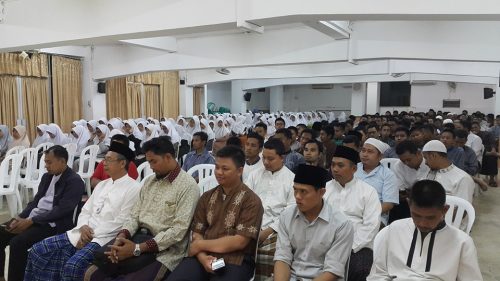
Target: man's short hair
58	151
293	128
311	132
233	152
303	126
427	194
402	129
466	124
262	125
352	139
320	145
461	134
406	146
329	130
121	139
259	138
236	141
284	132
279	119
341	125
202	135
276	145
452	132
159	146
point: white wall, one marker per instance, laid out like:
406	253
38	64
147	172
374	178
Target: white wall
259	100
304	98
220	94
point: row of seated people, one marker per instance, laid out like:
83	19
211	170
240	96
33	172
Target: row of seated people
305	226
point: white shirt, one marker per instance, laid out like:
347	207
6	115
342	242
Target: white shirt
359	202
455	181
476	143
248	169
408	176
107	209
275	190
454	255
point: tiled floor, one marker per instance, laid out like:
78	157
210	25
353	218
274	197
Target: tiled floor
486	232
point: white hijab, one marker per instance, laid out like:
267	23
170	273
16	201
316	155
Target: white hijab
172	132
155	132
82	140
43	138
59	137
220	131
208	130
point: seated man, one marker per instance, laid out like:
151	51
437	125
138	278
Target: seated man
423	247
455	181
50	212
380	177
314	238
359	202
400	134
225	226
313	153
326	137
154	239
292	159
253	149
67	256
455	154
274	185
199	155
100	173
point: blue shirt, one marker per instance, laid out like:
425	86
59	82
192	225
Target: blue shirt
193	159
471	165
456	155
384	181
293	160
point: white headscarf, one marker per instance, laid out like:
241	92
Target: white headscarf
43	138
5	140
93	124
135	131
116	124
59	137
155	132
208	130
23	138
105	130
197	128
172	132
220	131
82	140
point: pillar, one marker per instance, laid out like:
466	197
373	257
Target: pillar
372	97
276	97
358	99
238	103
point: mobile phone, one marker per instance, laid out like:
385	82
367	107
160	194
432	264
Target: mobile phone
217	264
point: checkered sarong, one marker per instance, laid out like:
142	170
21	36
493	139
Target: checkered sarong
265	259
55	258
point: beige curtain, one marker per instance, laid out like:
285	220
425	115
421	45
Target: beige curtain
197	100
66	91
169	95
133	97
152	101
116	102
8	101
13	64
35	103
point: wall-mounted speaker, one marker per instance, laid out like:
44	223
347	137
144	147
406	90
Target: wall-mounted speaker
247	96
488	93
101	88
182	82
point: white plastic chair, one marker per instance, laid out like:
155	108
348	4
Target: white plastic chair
71	148
87	165
36	177
204	170
9	182
207	183
144	170
389	162
455	214
30	168
44	146
14	150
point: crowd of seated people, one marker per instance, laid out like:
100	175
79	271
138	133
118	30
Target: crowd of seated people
300	196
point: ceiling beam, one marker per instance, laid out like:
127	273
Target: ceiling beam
168	44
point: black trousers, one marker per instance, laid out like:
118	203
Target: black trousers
190	269
360	265
19	245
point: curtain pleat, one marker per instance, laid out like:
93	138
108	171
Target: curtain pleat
35	103
197	100
116	102
8	101
66	91
133	96
152	101
13	64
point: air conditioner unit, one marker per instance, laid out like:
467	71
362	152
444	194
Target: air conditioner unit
423	82
322	86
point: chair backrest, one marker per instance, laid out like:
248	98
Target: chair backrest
9	171
14	150
204	170
43	146
89	154
389	162
144	170
31	156
458	208
207	183
71	148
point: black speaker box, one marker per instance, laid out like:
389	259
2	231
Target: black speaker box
101	88
247	96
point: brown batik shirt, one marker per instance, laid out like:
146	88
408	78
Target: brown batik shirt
237	213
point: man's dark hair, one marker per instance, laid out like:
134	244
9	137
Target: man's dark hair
351	139
452	132
429	128
284	132
329	131
159	146
317	126
280	119
406	146
372	125
262	125
259	138
449	126
293	128
59	152
235	153
341	125
121	139
310	131
303	126
202	135
276	145
402	129
234	141
461	134
320	145
466	124
427	194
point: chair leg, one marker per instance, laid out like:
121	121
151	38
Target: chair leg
12	204
87	185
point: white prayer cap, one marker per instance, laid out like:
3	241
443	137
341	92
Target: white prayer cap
439	117
380	145
434	146
447	121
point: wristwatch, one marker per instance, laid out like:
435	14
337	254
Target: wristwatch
137	250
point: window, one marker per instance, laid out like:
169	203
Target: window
395	93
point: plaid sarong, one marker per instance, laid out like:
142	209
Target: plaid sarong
265	259
55	258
